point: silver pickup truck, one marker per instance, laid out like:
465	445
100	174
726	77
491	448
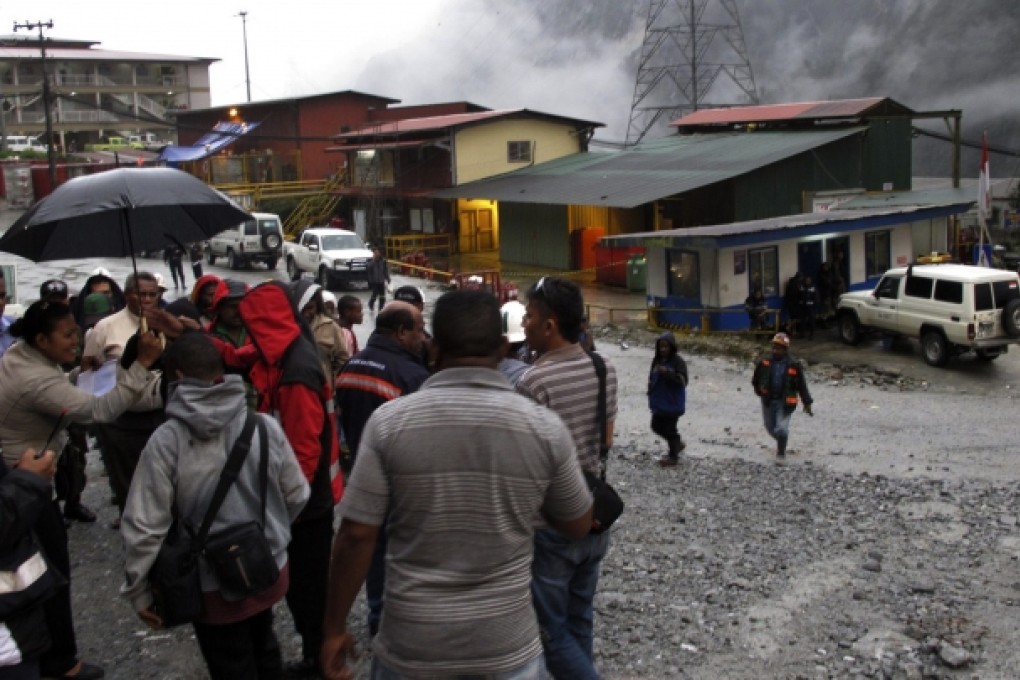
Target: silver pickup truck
334	256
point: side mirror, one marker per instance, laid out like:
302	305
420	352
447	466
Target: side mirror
313	247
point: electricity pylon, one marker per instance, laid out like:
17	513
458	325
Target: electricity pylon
682	58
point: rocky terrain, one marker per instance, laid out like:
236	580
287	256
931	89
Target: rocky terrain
885	547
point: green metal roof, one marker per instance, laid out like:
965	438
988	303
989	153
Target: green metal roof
654	170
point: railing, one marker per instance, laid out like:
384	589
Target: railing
403	244
66	116
262	191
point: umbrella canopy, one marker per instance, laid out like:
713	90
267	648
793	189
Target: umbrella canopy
121	212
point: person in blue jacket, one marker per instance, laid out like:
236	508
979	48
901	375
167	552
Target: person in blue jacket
667	396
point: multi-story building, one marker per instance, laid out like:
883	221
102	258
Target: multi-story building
95	92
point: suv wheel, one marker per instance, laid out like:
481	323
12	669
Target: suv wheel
292	271
271	241
1011	318
849	328
935	348
209	257
324	278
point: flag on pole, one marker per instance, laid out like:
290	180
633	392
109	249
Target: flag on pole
984	197
984	207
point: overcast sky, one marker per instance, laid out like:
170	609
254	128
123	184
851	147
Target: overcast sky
575	58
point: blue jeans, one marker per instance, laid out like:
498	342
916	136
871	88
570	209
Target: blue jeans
564	577
533	670
777	420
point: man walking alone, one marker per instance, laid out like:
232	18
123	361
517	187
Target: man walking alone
778	380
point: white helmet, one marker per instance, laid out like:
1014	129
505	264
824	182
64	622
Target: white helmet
513	321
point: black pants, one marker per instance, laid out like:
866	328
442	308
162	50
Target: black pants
311	541
176	272
63	652
121	448
26	670
378	291
245	650
666	427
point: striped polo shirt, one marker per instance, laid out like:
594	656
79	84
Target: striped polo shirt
462	466
565	381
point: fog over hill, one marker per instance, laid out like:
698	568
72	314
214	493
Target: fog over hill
579	58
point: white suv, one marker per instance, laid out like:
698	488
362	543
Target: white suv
950	308
257	240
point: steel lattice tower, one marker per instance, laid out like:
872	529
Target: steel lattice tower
682	58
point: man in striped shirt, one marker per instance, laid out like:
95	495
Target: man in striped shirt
462	468
565	571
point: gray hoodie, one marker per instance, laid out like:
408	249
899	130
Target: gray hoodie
183	460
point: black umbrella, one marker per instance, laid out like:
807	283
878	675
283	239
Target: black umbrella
120	212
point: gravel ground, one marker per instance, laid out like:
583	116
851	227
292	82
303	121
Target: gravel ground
886	547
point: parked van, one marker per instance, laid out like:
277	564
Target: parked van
19	143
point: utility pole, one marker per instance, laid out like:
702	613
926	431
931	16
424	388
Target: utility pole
51	153
244	31
682	56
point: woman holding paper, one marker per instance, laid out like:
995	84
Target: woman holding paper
35	394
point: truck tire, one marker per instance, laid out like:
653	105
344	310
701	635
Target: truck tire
233	261
209	256
849	328
324	278
292	270
935	348
1011	318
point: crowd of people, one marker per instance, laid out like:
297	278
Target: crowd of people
474	540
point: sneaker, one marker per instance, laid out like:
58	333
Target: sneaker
667	461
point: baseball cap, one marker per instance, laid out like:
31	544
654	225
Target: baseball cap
781	339
95	306
411	294
159	281
229	289
53	287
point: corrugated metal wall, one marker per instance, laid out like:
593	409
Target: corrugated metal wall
887	155
534	234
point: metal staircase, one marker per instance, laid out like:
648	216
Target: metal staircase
316	209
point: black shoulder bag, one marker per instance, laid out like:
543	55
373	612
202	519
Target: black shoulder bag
174	577
607	505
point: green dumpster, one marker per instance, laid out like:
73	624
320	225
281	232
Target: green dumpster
636	273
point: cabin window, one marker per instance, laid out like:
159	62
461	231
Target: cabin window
877	254
518	152
684	279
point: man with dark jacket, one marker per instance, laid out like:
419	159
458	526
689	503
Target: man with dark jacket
389	367
778	380
378	275
667	396
293	389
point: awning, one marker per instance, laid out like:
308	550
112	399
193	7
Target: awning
739	234
221	136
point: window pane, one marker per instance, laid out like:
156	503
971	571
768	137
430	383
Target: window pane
876	253
684	280
1004	292
763	270
888	287
949	291
983	297
919	287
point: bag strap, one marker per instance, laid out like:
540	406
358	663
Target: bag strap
600	373
227	477
263	464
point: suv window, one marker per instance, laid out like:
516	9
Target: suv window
918	286
267	226
949	291
1004	292
251	228
888	287
983	297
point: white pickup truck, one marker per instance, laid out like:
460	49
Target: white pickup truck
147	141
333	255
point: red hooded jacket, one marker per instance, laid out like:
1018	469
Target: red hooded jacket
293	389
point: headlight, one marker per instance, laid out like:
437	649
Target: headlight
339	264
